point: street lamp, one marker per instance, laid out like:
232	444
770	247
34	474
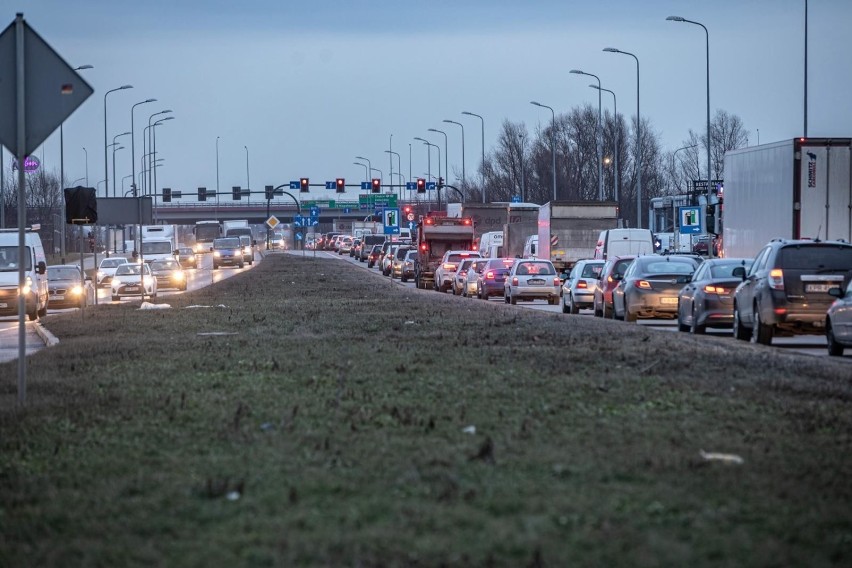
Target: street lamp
366	170
217	175
248	178
154	136
523	186
598	133
106	166
446	157
369	164
482	164
615	191
638	139
75	181
678	150
113	158
462	129
149	183
87	165
399	169
122	184
133	143
552	143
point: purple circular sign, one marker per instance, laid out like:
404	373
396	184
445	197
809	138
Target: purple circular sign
31	164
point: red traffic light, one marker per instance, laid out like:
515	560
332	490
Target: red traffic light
341	185
304	185
377	185
407	209
421	185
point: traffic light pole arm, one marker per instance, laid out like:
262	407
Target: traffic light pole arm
461	195
296	201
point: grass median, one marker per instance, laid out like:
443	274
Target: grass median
312	413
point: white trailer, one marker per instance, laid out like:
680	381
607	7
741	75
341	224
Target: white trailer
159	242
794	189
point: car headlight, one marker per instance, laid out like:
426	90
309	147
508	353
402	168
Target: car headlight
101	274
77	290
216	253
178	275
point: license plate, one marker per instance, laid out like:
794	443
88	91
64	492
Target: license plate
58	297
668	300
818	287
535	281
132	289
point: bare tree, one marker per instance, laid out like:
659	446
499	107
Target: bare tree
727	132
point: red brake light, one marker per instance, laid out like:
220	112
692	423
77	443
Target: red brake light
515	281
776	279
557	281
466	221
424	247
489	275
644	284
582	284
430	221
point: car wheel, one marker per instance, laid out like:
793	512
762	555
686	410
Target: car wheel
241	265
565	308
614	313
680	325
834	349
696	329
33	315
42	312
740	332
403	279
598	312
629	316
215	266
513	300
760	332
574	309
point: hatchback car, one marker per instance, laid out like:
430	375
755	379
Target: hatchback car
532	279
65	288
708	299
408	265
838	320
612	273
106	269
169	274
133	279
186	257
374	256
227	251
650	287
460	277
786	288
446	270
578	291
491	279
472	277
398	260
248	248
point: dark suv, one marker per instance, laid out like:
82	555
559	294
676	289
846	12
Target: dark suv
786	288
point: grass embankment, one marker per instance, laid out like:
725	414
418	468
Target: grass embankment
328	429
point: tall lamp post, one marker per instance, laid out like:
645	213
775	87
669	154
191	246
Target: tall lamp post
616	186
248	178
217	178
552	143
638	139
678	150
482	164
86	153
709	170
133	143
366	170
429	149
369	165
462	130
114	138
151	155
61	178
106	163
399	168
598	133
154	147
446	155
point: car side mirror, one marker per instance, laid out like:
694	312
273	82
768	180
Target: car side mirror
739	272
836	291
41	267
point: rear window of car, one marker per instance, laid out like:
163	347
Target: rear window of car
726	269
592	271
667	267
815	257
528	268
458	257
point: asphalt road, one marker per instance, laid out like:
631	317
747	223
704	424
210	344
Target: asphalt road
204	275
814	345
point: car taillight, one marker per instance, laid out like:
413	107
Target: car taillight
557	281
489	275
449	266
710	289
582	284
776	279
424	247
644	284
515	281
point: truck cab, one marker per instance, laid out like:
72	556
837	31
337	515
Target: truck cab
35	287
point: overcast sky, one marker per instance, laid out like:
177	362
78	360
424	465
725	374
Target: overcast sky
308	86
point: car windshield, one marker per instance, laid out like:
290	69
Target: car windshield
185	251
725	269
535	268
63	273
592	271
9	258
112	262
816	257
165	265
128	269
226	243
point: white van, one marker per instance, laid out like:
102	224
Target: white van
36	278
620	242
491	244
531	247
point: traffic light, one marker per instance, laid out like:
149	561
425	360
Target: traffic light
202	194
341	185
270	191
236	193
440	182
377	185
167	194
421	185
711	223
407	210
304	185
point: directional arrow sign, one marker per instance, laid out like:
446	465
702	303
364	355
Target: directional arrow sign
52	89
366	185
331	185
297	220
315	211
295	184
411	185
431	185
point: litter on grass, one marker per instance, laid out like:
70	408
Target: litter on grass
724	458
215	333
199	306
469	430
232	496
150	306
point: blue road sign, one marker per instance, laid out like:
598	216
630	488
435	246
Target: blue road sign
347	210
377	212
298	220
431	185
516	199
411	185
313	222
295	184
315	211
298	236
390	217
690	220
366	185
331	185
412	225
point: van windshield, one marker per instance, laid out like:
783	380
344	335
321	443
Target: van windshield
9	259
156	247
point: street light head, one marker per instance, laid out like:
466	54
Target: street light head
611	50
450	121
167	111
360	158
81	67
418	138
535	103
594	86
674	19
467	113
125	87
149	101
576	72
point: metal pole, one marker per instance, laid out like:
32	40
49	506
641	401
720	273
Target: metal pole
87	165
552	143
390	159
3	192
482	164
805	133
106	166
464	177
133	144
217	178
248	178
615	142
61	191
22	207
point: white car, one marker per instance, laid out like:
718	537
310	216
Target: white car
446	271
129	280
107	267
532	279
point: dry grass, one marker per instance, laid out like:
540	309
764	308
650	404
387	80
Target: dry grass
335	413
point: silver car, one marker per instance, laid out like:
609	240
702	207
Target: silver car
532	279
472	277
579	289
838	321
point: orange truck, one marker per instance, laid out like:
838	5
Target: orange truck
435	236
